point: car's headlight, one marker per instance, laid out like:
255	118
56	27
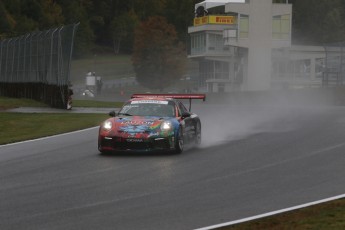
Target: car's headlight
107	125
166	125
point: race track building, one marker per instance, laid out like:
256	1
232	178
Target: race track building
245	45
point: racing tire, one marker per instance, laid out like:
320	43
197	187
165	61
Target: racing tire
102	152
198	134
179	143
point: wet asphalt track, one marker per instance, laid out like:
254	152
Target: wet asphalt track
254	160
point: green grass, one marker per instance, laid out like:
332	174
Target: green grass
19	127
96	104
108	66
7	103
330	215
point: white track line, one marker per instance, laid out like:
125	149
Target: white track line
272	213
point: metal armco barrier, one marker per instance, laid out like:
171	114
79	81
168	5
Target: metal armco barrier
37	65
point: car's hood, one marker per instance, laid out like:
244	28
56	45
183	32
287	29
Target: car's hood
140	124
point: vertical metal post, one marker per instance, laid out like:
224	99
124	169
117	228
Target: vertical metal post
1	45
30	58
18	59
13	55
51	55
6	65
59	55
24	61
71	50
37	57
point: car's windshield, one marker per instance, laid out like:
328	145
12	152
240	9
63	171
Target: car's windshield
148	108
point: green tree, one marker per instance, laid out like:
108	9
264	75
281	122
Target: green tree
148	8
180	13
158	58
51	15
318	21
123	31
7	23
108	23
78	11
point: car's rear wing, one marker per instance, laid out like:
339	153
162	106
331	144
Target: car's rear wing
173	96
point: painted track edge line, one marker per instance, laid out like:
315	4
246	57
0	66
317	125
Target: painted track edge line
272	213
47	137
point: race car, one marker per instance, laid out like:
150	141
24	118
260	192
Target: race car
151	122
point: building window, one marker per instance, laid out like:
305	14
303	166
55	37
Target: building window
281	27
244	26
216	42
198	43
221	87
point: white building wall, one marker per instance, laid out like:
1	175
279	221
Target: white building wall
260	43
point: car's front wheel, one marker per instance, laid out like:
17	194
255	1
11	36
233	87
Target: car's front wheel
102	152
179	143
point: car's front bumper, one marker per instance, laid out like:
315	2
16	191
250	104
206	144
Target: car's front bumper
135	144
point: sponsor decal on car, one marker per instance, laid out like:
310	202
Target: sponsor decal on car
137	122
150	102
134	140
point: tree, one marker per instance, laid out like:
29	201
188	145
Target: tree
122	28
78	11
318	21
158	58
180	13
7	23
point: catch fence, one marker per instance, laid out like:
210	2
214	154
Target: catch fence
37	65
334	69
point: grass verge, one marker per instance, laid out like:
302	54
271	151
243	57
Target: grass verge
8	103
25	126
329	215
96	104
19	127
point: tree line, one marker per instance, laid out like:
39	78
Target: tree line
103	23
111	23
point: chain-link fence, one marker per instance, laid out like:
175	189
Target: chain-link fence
334	69
37	65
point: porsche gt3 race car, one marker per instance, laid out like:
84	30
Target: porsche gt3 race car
151	122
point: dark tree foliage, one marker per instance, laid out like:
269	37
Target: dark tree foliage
180	13
158	58
316	22
111	23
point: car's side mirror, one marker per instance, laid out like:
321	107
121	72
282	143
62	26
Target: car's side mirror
112	114
185	114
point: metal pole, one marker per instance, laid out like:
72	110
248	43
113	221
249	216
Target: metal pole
18	58
71	51
1	44
51	54
24	63
12	64
58	52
